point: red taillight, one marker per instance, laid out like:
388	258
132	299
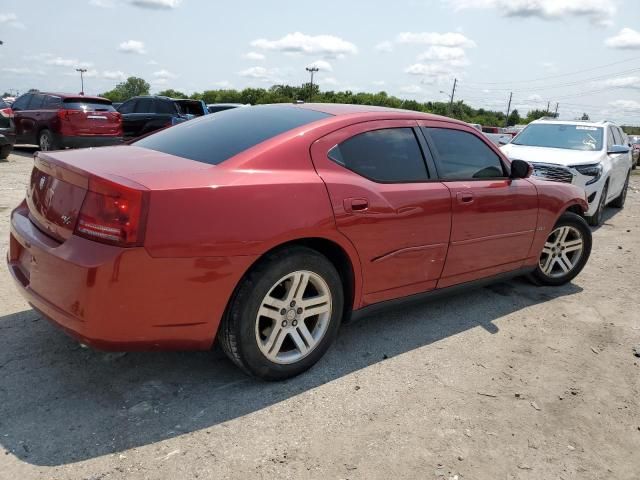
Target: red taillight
6	112
113	213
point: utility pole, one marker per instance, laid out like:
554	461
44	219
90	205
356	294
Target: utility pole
556	112
548	106
311	70
506	120
453	92
82	71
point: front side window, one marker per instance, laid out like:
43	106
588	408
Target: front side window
390	155
561	135
22	102
36	102
462	155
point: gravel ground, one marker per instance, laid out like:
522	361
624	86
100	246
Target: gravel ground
506	382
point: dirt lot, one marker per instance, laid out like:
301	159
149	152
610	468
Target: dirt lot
507	382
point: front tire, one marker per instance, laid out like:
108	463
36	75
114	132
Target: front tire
596	219
5	151
620	199
565	253
284	315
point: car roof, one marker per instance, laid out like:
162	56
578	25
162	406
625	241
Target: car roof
340	109
227	105
586	123
72	95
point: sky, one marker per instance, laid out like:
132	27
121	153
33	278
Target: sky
581	54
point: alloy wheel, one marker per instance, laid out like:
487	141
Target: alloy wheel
45	143
293	317
562	252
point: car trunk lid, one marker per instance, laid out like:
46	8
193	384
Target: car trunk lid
82	117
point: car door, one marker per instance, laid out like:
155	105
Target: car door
128	118
387	205
618	164
494	217
20	117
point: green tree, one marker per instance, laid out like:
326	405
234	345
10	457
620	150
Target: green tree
131	87
170	92
536	114
584	117
514	119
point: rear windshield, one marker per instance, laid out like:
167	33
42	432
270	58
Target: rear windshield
88	106
215	138
190	107
556	135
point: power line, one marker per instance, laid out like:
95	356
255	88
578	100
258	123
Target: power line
558	75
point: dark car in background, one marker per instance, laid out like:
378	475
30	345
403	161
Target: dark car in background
146	114
7	129
55	121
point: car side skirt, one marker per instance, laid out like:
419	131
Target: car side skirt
437	294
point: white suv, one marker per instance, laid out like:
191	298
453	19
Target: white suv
593	155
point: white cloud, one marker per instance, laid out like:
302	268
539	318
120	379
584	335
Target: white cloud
378	83
159	82
597	11
327	45
261	73
454	56
627	38
384	47
254	56
67	62
156	4
321	65
152	62
102	3
11	19
449	39
132	46
411	89
623	82
164	74
428	70
630	105
223	84
114	75
17	70
329	81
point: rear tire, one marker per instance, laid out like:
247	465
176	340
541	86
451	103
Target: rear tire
596	219
269	330
620	199
565	253
5	151
46	142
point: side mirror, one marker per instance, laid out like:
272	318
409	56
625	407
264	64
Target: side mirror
520	169
618	150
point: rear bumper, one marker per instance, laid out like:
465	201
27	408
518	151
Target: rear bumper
88	141
122	299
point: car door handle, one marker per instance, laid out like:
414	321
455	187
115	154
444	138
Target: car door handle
465	197
355	204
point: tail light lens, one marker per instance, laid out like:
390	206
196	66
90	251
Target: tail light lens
113	213
6	112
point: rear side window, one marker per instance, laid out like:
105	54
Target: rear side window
88	106
389	155
190	107
51	102
461	155
165	106
213	139
144	105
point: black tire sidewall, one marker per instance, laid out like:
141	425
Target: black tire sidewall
249	299
576	221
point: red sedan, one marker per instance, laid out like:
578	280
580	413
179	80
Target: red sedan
265	227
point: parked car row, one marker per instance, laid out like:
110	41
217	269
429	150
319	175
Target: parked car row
54	121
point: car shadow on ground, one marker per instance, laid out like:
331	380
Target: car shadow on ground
24	151
61	403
